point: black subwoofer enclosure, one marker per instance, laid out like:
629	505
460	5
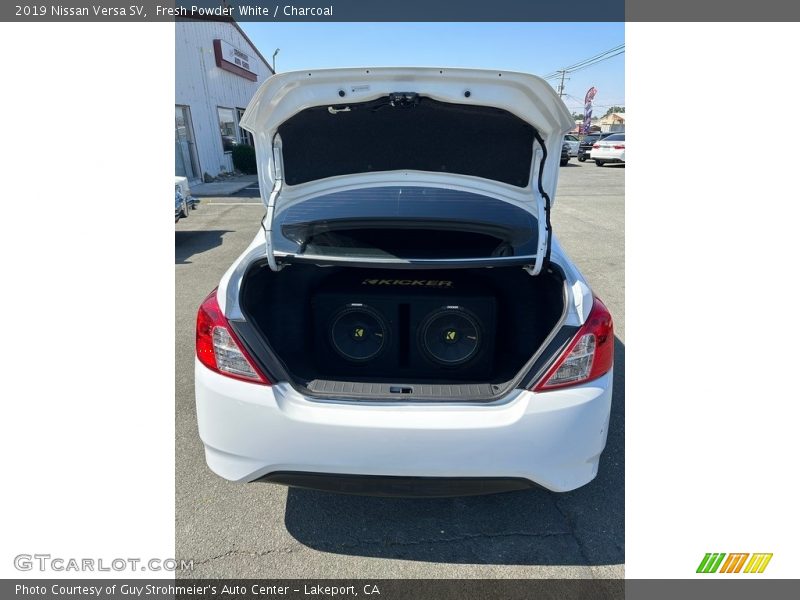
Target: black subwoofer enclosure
430	328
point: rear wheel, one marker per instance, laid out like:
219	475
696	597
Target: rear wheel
581	159
564	162
599	163
184	209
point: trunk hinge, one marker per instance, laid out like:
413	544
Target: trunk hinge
545	245
266	222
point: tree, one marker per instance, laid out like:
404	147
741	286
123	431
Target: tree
577	117
615	109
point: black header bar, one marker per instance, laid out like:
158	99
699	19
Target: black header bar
408	10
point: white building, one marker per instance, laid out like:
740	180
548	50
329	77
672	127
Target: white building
217	71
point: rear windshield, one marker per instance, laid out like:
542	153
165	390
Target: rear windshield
617	137
406	222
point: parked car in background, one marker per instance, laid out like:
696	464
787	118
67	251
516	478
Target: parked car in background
564	153
586	144
574	144
610	149
405	321
184	201
181	206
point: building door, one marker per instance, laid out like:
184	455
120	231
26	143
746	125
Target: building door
186	163
245	137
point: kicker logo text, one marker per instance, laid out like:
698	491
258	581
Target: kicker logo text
438	283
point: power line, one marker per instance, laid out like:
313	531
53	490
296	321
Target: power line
588	62
595	57
597	61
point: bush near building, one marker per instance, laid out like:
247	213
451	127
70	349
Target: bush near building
244	159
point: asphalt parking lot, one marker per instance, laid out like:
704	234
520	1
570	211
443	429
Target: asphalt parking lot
263	530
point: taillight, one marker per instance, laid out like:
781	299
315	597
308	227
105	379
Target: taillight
218	348
596	146
619	147
589	355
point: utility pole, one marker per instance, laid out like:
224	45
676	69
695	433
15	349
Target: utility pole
561	85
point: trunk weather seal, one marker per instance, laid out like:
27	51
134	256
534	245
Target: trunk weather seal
258	348
547	226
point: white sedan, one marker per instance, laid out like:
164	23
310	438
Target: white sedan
405	321
609	150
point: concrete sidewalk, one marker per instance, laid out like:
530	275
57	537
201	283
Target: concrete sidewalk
223	188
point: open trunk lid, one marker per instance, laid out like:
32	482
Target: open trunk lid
325	133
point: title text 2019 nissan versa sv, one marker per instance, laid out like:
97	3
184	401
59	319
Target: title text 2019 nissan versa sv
405	322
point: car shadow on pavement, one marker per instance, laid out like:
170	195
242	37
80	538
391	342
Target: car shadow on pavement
532	527
189	243
251	191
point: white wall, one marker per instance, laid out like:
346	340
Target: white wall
202	86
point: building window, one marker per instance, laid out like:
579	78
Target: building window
227	128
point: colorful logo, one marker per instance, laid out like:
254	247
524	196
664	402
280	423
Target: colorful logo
734	562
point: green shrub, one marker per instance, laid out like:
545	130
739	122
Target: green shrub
244	159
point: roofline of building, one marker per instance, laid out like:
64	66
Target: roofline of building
233	22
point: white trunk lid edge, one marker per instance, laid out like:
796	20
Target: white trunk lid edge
527	98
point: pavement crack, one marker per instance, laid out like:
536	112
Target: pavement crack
571	525
250	553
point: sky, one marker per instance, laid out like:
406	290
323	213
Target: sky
539	48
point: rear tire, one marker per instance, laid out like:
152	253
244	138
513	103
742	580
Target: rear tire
599	163
581	159
184	209
564	163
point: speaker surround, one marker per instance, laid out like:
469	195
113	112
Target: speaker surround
358	333
450	336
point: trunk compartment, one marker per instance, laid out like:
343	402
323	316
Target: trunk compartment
402	334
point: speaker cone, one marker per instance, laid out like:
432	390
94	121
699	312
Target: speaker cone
450	336
358	333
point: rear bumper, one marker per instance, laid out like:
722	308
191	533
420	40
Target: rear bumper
552	439
608	156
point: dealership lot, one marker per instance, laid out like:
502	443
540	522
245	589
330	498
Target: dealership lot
261	530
